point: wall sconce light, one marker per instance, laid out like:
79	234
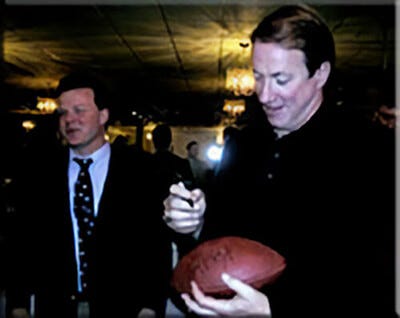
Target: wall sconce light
28	125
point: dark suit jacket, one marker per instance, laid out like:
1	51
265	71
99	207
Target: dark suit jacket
128	256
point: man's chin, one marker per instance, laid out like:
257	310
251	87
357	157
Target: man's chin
74	144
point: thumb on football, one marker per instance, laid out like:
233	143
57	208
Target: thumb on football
237	285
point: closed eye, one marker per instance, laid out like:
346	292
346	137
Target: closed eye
282	78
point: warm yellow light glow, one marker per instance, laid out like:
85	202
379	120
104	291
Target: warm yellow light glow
220	137
149	136
234	107
240	80
46	105
28	124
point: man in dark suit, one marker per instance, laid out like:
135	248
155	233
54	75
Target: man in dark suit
122	267
311	180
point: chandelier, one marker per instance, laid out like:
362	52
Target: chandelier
240	79
46	105
234	107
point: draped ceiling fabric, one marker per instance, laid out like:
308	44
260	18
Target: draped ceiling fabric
172	56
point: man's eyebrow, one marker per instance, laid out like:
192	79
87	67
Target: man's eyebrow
276	74
72	107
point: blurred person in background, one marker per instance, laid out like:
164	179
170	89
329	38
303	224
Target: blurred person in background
170	168
202	172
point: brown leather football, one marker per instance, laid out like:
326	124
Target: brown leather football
250	261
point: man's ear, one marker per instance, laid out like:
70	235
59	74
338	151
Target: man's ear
104	115
322	73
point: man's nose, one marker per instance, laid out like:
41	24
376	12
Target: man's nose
266	93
